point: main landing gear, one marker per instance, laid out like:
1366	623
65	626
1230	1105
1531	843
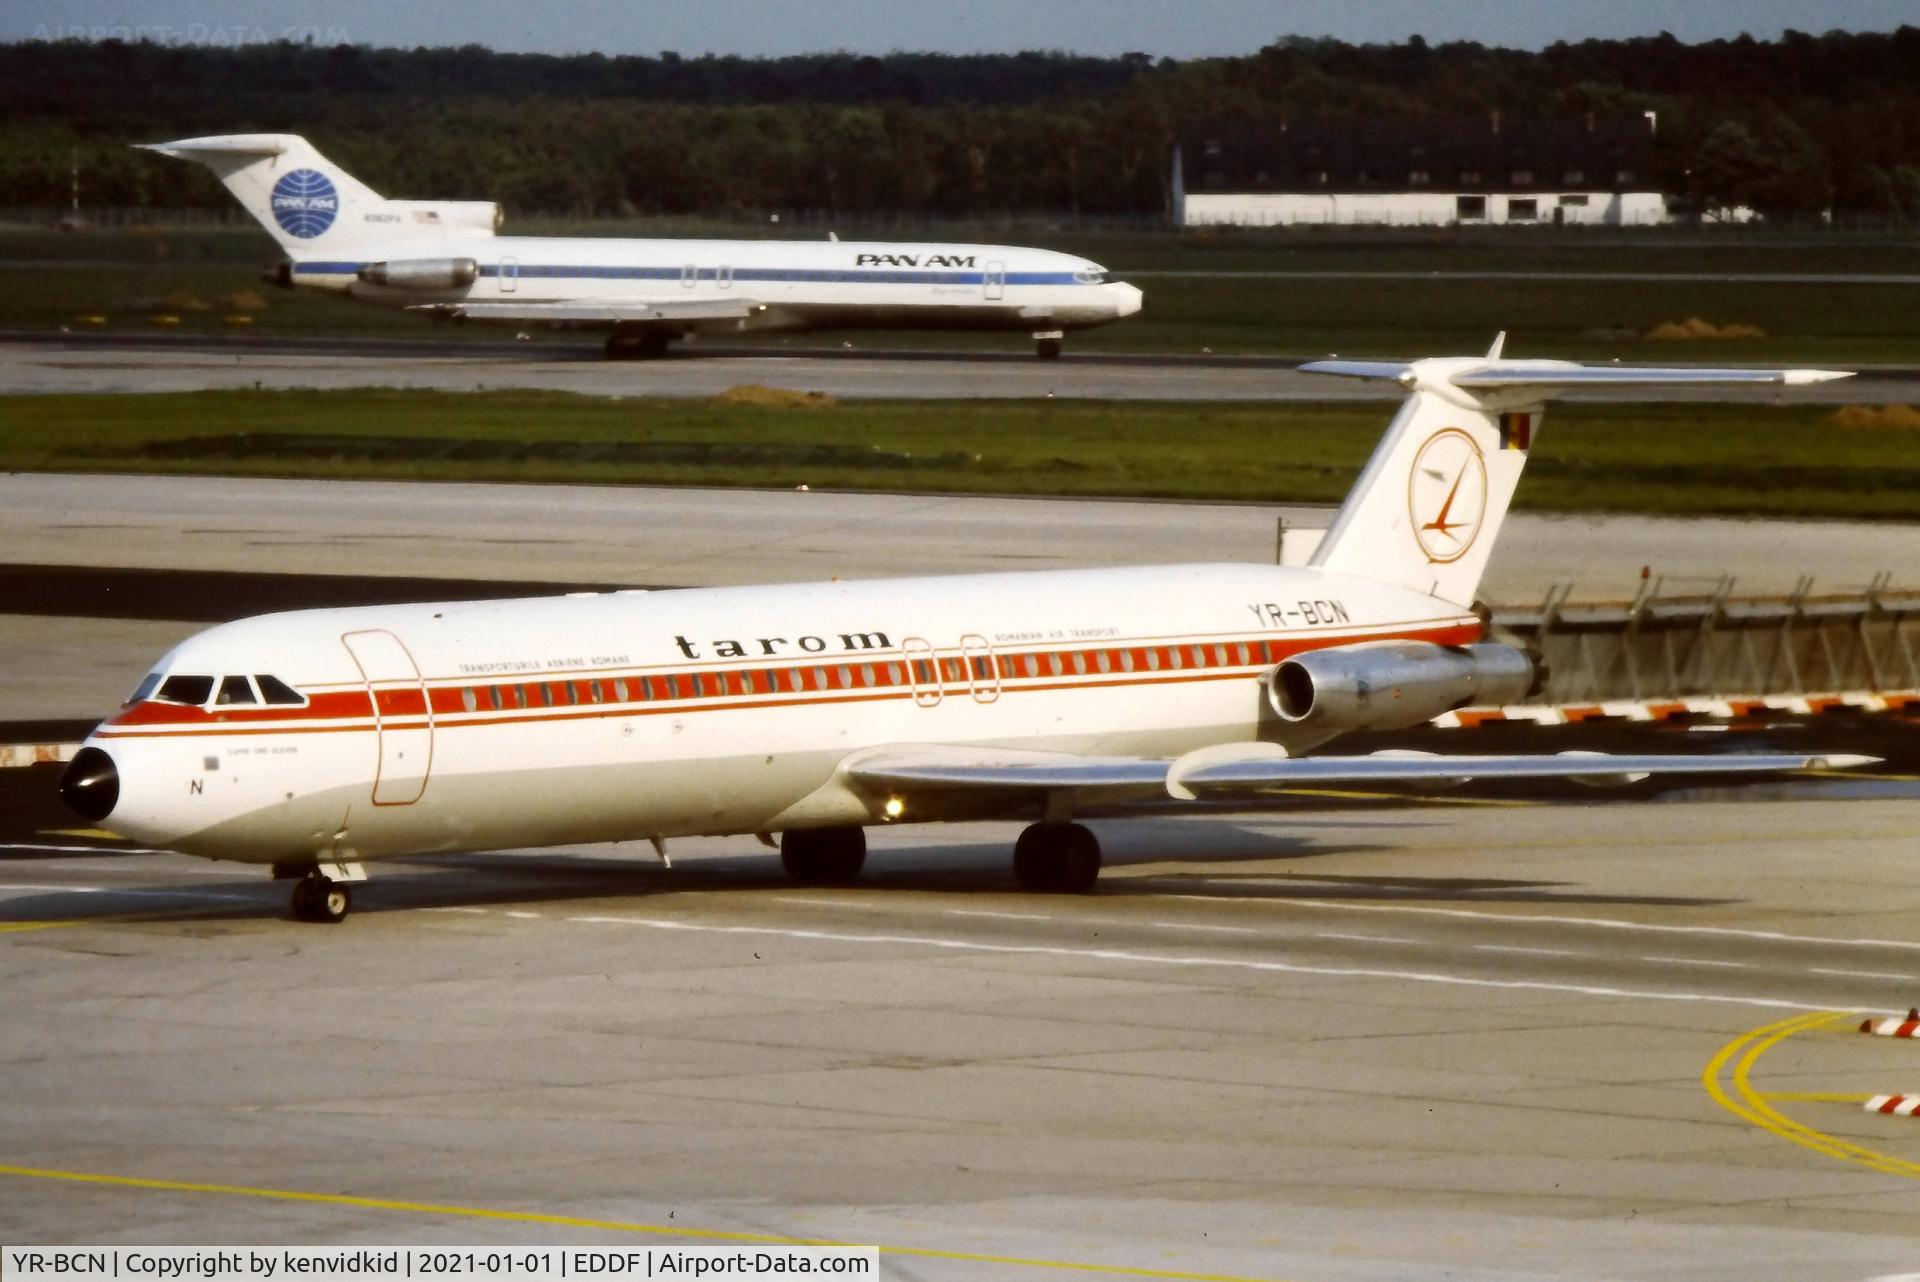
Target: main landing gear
1046	345
318	898
1057	858
823	856
1053	858
645	345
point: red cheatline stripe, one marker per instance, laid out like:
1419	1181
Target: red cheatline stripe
562	697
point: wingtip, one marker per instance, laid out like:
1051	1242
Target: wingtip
1843	761
1802	377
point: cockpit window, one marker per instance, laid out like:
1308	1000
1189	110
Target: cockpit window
189	690
274	690
234	690
1090	276
145	689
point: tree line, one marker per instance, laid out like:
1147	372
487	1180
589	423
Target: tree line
1793	128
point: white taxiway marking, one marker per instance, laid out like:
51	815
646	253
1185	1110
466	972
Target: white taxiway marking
1699	961
1167	961
1531	952
1600	923
1861	974
1183	925
138	894
981	912
1365	939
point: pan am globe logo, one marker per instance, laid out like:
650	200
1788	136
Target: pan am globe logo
305	203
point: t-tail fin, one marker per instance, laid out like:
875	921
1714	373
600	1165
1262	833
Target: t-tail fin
1427	508
309	204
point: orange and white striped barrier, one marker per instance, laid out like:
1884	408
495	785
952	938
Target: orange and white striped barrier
33	754
1717	707
1908	1027
1894	1105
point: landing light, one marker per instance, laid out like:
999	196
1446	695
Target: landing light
895	807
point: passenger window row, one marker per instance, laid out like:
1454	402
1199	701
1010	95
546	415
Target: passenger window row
949	672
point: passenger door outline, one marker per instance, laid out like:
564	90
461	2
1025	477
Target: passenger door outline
404	752
976	648
927	687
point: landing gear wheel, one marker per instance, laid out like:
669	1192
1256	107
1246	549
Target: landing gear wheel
823	856
1047	349
647	345
1057	858
317	898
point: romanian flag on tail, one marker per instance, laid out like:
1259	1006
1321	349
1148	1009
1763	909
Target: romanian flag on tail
1516	432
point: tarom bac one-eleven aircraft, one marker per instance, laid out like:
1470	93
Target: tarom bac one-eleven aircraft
315	740
444	258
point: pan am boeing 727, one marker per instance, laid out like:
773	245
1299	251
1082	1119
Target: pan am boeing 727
444	258
315	740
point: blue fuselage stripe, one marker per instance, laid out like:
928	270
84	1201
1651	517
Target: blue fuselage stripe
709	275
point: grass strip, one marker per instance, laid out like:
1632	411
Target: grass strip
1676	459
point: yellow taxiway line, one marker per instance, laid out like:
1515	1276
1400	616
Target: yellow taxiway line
1735	1062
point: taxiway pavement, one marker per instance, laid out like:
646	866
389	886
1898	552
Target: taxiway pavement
91	365
1484	1042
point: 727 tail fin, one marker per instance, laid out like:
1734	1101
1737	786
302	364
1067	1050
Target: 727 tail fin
1427	508
293	191
309	204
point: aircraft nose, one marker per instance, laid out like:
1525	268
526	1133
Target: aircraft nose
91	785
1127	298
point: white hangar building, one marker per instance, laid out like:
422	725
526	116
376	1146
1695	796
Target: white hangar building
1419	174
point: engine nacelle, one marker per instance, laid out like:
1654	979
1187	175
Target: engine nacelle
453	215
422	273
1390	685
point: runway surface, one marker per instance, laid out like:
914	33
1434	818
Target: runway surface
119	365
1356	1039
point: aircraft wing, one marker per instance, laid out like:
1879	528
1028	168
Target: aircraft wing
1250	770
603	310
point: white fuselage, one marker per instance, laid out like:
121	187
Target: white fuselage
628	715
791	284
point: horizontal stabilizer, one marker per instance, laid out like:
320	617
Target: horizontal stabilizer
1505	374
204	149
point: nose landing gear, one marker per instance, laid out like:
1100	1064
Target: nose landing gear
321	899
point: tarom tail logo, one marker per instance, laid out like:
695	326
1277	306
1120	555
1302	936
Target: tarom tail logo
1447	495
305	203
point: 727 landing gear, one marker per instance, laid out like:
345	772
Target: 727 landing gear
1046	344
317	898
1058	858
823	856
644	345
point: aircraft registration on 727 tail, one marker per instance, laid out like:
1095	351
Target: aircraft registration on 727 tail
312	741
444	258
